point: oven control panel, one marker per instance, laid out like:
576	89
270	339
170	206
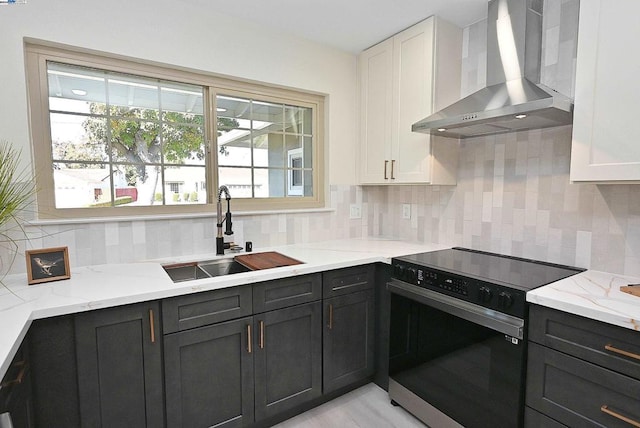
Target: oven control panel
493	296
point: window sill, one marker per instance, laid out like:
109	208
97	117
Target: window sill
53	222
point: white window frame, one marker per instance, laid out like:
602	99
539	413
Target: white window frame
37	53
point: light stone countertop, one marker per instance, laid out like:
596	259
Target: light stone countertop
103	286
593	294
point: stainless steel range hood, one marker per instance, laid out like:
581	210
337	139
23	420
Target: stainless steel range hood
513	100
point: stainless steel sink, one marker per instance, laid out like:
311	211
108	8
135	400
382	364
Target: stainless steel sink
205	269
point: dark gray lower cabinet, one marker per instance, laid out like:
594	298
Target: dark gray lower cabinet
288	368
348	339
209	375
119	358
581	372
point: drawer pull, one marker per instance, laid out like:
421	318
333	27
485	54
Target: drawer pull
604	408
261	334
152	326
392	163
249	338
330	317
385	169
611	348
20	377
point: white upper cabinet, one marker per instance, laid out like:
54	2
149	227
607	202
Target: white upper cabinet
402	80
606	141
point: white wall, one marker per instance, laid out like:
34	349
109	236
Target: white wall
182	33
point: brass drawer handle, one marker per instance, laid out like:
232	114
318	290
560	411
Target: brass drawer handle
611	348
330	317
261	323
249	338
20	377
385	169
152	326
604	408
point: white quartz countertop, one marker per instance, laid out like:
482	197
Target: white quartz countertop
103	286
594	295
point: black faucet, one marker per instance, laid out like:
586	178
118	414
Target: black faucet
220	245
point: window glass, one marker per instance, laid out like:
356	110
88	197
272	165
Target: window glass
269	145
123	140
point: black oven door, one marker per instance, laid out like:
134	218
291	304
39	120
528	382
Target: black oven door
472	373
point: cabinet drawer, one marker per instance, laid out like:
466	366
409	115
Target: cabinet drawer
282	293
195	310
573	391
348	280
589	340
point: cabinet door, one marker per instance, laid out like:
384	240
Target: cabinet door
375	66
119	353
605	138
287	358
209	375
412	101
348	339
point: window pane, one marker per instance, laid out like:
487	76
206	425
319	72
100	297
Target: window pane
71	141
269	183
73	88
182	186
80	185
134	141
267	116
268	150
238	180
133	92
183	144
298	120
181	98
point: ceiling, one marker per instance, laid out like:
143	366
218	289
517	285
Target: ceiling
349	25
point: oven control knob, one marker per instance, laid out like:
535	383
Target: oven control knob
411	275
398	271
485	294
505	300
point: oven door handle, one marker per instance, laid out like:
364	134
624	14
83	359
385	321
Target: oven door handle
485	317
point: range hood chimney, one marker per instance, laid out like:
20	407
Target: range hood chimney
514	99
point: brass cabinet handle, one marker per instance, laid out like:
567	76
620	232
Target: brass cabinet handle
611	348
261	323
385	169
604	408
249	338
152	326
330	317
392	163
20	377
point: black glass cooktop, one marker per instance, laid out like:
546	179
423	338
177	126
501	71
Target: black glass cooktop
509	271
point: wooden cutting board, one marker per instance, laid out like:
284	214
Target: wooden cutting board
634	290
266	260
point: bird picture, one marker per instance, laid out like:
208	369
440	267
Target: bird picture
48	267
49	264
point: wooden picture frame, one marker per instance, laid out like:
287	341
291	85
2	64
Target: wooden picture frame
47	264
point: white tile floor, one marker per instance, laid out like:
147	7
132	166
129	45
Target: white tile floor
365	407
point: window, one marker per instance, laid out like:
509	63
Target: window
116	137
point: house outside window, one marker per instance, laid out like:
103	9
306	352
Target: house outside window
116	137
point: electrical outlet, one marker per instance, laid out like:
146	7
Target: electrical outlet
406	211
355	211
